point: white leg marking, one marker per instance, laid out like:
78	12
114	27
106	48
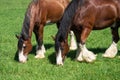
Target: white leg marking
73	45
59	58
40	53
22	57
111	51
85	54
79	55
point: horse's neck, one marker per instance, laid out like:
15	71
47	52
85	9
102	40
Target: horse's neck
25	28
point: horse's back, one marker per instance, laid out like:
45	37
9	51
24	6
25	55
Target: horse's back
53	9
108	12
97	13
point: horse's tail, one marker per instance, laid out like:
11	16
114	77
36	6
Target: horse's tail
65	22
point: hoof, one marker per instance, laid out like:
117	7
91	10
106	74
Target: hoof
23	61
73	48
111	51
91	57
87	56
60	64
39	56
79	58
108	56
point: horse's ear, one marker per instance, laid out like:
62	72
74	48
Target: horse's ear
17	36
53	37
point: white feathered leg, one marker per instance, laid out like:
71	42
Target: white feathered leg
79	55
85	54
111	51
40	53
73	45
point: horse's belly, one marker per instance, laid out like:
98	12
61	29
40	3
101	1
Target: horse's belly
104	24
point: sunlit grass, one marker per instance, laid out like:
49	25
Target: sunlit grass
11	18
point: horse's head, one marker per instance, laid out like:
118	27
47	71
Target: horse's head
61	48
24	47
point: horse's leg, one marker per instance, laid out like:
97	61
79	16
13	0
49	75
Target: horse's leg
112	50
77	35
84	53
73	45
39	38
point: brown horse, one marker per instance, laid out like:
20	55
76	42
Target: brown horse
39	13
83	16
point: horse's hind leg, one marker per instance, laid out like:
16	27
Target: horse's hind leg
40	49
73	45
112	50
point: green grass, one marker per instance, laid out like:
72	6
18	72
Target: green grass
11	18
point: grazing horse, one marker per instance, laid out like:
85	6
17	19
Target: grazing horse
39	13
83	16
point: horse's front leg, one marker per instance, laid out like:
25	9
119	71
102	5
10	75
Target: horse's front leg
111	52
83	54
40	49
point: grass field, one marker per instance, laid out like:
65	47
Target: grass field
11	18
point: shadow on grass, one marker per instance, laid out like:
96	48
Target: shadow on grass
16	56
118	52
72	54
47	46
52	58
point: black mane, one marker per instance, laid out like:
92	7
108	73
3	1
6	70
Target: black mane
65	22
26	25
68	16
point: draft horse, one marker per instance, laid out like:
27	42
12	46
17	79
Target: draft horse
39	13
83	16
